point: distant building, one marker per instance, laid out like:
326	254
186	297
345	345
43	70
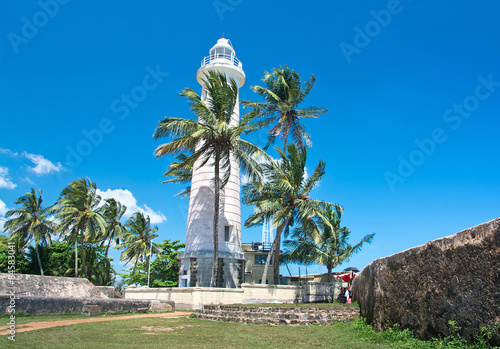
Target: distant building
256	254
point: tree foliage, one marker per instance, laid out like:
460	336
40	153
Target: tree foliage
138	240
30	223
284	197
283	92
325	243
164	268
78	215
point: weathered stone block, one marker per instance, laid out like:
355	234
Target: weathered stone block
160	307
91	310
453	278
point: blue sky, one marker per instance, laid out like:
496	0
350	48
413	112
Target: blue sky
412	87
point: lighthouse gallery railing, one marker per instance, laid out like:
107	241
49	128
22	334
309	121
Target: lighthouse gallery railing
209	59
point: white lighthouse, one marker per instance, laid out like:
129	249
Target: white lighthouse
196	261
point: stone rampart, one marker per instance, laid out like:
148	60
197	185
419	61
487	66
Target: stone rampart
453	278
49	286
61	305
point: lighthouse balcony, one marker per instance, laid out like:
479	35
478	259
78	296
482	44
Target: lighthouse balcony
221	59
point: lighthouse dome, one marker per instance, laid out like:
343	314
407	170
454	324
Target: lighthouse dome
222	49
223	59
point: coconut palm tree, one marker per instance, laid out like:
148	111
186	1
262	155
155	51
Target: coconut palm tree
283	94
112	212
182	172
213	138
79	217
30	223
330	248
138	240
285	198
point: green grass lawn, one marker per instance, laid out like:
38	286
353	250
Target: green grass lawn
188	332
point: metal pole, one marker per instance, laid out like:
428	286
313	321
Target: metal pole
150	251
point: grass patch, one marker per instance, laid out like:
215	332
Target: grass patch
194	333
188	333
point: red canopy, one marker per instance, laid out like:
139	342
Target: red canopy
346	277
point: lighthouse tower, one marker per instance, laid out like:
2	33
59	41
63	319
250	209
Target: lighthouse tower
196	261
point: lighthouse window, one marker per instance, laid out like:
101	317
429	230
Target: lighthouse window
219	51
227	232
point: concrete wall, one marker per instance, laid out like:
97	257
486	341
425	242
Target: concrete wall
321	291
188	298
49	286
196	297
264	293
453	278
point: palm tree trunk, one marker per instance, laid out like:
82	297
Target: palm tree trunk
38	258
76	257
330	276
273	247
276	260
216	221
107	248
285	143
82	252
133	271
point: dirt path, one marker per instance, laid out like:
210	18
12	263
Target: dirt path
32	326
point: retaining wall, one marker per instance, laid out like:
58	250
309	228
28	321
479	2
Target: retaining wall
48	286
192	298
61	305
277	315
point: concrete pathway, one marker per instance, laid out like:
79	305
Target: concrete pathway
32	326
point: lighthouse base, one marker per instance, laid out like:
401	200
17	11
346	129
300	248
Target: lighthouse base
196	269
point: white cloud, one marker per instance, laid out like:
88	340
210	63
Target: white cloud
8	152
43	166
3	210
126	197
5	181
28	180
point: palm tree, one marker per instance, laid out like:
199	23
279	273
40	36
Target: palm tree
283	94
212	138
78	216
30	222
182	172
112	212
138	240
330	249
285	198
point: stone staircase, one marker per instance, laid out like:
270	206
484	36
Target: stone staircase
276	315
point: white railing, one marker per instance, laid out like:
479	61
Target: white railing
220	59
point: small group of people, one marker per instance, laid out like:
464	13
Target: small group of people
345	295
